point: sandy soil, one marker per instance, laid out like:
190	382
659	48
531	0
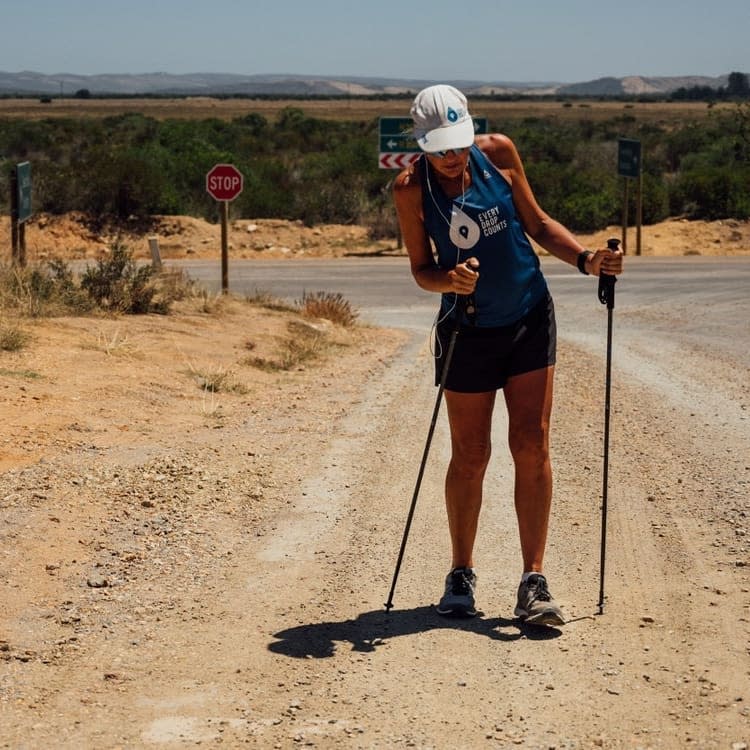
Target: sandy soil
180	567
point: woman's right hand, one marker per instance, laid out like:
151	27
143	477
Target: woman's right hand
463	278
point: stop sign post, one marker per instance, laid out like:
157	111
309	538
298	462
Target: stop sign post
224	182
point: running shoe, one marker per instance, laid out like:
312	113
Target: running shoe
535	603
458	599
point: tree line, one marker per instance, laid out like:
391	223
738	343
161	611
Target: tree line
130	167
737	88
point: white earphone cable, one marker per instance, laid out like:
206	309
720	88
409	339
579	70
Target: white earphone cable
436	348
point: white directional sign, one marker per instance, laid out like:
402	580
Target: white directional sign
397	160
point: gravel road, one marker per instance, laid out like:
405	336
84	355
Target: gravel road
225	587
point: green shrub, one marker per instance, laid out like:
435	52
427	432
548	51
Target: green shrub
315	170
116	283
38	291
711	193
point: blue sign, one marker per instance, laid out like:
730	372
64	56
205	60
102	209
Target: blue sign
23	191
628	157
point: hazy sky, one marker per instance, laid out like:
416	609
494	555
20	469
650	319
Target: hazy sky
494	40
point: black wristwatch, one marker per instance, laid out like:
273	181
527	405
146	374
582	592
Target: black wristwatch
581	261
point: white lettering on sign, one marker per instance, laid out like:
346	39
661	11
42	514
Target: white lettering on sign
224	182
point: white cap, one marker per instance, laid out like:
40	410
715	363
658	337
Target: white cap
441	119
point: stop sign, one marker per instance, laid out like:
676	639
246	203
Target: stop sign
224	182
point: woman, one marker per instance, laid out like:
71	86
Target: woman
469	198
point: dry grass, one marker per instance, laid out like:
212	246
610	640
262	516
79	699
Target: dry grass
24	374
115	344
12	337
216	379
196	108
305	341
211	303
303	344
329	306
265	299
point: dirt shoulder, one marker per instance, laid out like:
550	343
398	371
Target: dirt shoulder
70	237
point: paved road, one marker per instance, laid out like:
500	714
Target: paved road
681	325
702	300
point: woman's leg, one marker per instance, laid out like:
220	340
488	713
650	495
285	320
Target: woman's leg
470	419
529	401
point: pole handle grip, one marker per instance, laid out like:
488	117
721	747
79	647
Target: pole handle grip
607	282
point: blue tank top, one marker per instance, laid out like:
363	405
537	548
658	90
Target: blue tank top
484	224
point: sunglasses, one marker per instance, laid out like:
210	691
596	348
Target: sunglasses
456	151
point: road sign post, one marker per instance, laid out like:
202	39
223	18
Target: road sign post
629	167
20	210
224	182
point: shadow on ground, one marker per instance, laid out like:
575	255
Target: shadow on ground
371	629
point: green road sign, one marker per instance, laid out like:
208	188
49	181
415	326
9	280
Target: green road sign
628	157
23	191
396	133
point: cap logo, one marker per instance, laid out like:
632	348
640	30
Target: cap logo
452	115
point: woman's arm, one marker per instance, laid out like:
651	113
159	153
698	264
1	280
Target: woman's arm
542	228
407	196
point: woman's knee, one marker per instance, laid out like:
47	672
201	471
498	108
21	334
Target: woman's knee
469	459
529	444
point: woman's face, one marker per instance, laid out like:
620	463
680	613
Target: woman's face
451	164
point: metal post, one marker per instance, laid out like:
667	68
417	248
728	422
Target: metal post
22	244
639	213
224	247
625	217
14	216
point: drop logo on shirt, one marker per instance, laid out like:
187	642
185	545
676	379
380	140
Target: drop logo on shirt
465	232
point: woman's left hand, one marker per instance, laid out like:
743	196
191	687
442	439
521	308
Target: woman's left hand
606	261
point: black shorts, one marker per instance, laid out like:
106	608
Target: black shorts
484	358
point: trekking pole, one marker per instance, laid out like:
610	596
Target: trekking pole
606	297
461	307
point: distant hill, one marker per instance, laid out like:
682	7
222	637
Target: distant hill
634	85
29	83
